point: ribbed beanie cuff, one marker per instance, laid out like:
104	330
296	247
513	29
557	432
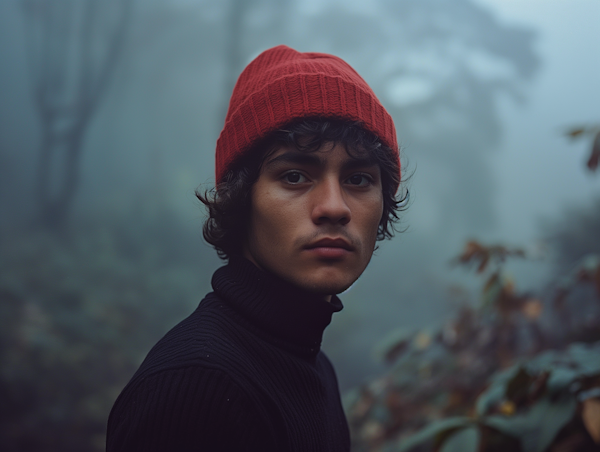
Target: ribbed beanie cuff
282	85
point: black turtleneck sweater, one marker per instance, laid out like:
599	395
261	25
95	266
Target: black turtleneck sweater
244	372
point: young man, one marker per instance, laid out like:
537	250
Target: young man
307	171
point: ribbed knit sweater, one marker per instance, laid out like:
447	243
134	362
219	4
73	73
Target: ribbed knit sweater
244	372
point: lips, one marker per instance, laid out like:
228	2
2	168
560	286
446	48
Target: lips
331	243
329	248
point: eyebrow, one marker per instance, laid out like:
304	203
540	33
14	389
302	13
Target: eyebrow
298	158
362	162
301	158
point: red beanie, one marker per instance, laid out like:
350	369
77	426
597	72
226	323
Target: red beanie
281	85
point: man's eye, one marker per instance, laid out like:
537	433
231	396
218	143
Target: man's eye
360	180
294	177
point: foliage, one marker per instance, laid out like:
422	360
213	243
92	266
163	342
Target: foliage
487	379
575	236
531	402
592	131
77	316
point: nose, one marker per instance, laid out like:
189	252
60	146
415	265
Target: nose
329	203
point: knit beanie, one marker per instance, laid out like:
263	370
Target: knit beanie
281	85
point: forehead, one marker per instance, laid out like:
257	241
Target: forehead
326	152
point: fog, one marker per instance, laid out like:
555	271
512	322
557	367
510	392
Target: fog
482	94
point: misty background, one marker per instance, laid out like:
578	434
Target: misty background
108	123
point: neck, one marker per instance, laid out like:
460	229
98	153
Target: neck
246	253
287	313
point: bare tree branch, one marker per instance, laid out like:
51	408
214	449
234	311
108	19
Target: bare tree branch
73	48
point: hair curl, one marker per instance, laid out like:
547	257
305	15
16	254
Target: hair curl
229	203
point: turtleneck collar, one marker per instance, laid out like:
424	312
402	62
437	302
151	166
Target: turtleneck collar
284	311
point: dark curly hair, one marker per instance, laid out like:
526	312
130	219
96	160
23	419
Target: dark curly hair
229	203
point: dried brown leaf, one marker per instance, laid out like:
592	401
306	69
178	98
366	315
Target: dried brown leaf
532	308
576	132
470	252
591	418
422	340
484	262
509	286
396	350
594	159
507	408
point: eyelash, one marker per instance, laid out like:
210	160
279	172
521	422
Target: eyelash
284	177
368	177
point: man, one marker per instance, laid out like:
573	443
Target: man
307	171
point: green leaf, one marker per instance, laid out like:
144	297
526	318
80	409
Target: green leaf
560	379
395	343
436	431
464	440
579	360
488	399
497	389
519	385
587	357
492	289
536	428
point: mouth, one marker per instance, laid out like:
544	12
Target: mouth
331	243
330	248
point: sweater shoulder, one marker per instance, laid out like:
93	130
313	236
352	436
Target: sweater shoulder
189	408
197	341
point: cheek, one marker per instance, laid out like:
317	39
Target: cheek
373	216
379	215
271	220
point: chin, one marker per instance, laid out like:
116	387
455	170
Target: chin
326	284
